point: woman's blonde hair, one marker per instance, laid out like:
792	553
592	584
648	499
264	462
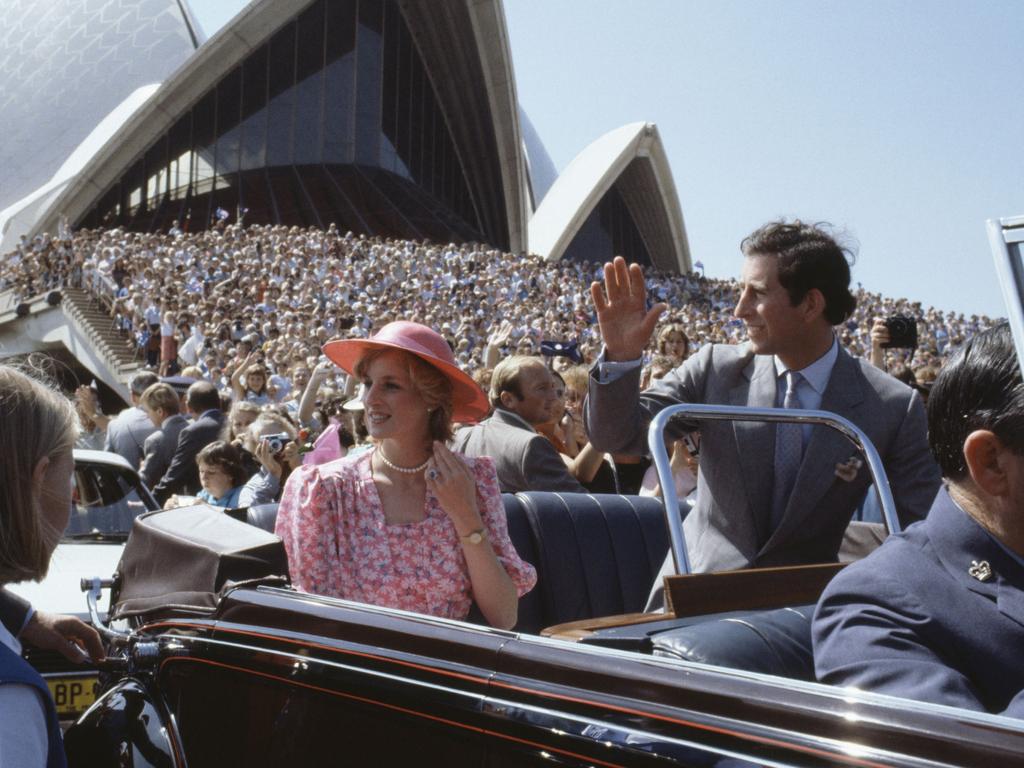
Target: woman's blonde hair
432	385
36	422
673	329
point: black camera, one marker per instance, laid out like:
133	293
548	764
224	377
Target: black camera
276	443
902	332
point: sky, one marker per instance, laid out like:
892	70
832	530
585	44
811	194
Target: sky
897	121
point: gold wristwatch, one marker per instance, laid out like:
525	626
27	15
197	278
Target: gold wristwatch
479	536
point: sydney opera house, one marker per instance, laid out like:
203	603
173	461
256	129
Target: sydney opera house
388	117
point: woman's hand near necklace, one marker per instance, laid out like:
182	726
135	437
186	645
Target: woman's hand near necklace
454	486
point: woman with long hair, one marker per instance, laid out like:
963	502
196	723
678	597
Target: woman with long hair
408	524
38	427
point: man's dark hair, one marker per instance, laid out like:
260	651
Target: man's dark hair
203	396
142	381
979	388
809	257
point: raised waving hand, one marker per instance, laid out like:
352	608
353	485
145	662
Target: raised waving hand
626	322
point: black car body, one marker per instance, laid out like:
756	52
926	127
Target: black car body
269	676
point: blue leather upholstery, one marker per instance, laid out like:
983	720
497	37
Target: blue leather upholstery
595	554
262	516
773	642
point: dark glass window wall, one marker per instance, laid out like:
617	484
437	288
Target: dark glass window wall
609	231
333	119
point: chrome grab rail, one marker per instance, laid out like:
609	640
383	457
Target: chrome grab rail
93	588
701	412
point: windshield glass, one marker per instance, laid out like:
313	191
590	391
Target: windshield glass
105	500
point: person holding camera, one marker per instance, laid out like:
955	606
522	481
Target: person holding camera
271	439
768	494
895	332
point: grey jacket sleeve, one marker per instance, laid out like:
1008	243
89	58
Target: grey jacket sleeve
913	474
617	414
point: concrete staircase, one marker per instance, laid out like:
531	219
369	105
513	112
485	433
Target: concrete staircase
116	348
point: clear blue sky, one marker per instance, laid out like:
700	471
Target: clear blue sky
898	120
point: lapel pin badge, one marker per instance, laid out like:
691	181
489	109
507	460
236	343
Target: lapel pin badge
981	571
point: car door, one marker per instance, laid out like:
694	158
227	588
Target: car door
288	688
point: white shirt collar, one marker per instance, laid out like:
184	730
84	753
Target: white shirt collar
817	373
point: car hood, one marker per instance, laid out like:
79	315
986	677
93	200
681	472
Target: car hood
59	592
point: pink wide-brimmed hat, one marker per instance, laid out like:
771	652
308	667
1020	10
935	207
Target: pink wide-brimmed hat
468	401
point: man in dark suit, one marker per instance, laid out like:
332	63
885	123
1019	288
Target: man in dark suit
755	507
161	405
127	432
937	613
182	476
522	395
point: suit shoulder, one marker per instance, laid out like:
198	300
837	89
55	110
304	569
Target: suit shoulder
722	358
881	382
905	562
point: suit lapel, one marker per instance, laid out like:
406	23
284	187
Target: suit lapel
974	559
826	447
755	440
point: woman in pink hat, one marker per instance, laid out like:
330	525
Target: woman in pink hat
408	524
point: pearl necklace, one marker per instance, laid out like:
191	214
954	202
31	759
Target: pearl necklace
404	470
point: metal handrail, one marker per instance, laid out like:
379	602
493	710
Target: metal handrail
701	412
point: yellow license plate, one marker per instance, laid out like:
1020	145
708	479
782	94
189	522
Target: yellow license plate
73	695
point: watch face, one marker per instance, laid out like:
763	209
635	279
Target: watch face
475	537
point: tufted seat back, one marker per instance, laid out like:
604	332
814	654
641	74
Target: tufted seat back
595	554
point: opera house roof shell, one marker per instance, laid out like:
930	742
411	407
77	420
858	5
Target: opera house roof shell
391	118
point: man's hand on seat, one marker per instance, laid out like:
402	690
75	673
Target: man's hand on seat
626	323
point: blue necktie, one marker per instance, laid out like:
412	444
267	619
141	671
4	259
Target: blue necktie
789	451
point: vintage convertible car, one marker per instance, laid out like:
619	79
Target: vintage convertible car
263	675
215	661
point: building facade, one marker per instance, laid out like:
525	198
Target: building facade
384	117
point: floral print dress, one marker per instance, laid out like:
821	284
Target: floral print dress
332	523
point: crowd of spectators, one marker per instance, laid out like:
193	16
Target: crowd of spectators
248	309
208	300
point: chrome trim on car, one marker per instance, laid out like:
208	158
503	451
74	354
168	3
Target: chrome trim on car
702	412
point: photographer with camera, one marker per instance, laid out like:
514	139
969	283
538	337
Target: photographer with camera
894	332
271	439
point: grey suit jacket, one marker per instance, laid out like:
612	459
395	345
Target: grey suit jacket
159	449
730	525
525	460
127	433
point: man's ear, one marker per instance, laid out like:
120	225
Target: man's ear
507	400
984	454
814	304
